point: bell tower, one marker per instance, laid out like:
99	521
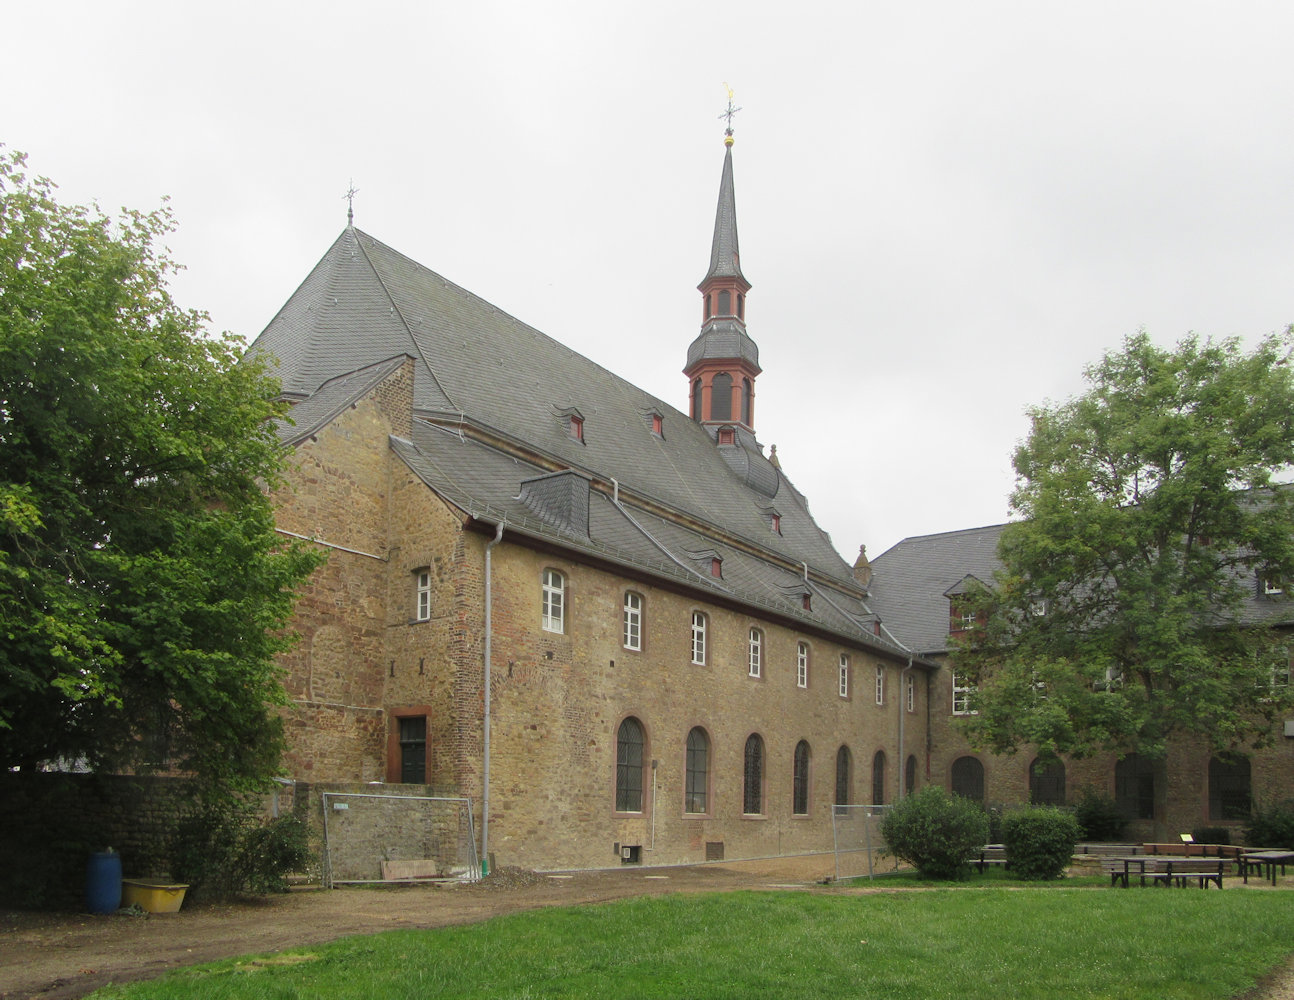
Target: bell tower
723	362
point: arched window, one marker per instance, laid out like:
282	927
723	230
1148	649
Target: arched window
698	771
910	775
725	302
721	397
632	633
844	765
878	778
698	637
802	664
1046	783
554	601
629	766
741	306
968	778
1134	786
746	393
696	399
752	795
1230	793
800	790
756	657
709	307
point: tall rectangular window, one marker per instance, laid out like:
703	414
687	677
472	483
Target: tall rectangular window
422	594
698	637
843	682
962	691
912	694
633	621
756	652
554	601
802	665
880	685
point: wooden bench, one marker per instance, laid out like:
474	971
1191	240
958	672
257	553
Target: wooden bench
989	854
1145	868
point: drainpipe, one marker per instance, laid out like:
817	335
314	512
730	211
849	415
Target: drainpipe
485	776
901	788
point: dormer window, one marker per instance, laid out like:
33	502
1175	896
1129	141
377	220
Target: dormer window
1272	587
576	427
727	435
776	523
806	602
716	567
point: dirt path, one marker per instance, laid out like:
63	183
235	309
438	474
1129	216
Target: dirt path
65	956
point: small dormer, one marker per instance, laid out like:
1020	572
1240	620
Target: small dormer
655	420
572	421
962	617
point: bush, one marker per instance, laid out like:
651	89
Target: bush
935	832
1211	835
1272	826
221	850
1098	817
1039	841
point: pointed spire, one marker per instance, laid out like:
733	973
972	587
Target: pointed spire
351	191
725	254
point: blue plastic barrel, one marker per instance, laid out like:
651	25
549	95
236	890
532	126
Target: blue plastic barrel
103	882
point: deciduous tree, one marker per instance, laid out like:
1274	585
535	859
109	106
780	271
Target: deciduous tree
144	593
1132	602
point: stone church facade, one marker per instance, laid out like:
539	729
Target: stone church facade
621	611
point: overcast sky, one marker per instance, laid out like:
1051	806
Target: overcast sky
946	209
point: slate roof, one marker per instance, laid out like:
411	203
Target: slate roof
912	582
725	254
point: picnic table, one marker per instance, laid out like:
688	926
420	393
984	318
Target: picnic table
1269	859
1165	869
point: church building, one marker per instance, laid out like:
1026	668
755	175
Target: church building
611	622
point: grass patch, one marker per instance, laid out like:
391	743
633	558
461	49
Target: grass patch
994	877
983	945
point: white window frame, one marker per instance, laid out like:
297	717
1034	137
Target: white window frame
422	594
912	694
756	658
553	614
880	685
802	665
961	697
631	634
698	637
842	681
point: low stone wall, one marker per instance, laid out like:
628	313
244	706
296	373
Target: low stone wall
53	822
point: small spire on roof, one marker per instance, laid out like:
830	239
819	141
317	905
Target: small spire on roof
727	133
351	191
772	457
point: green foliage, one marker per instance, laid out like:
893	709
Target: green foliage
1039	841
1272	826
1211	835
1125	608
1099	817
935	832
143	592
224	848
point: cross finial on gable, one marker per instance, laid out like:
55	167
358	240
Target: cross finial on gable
351	191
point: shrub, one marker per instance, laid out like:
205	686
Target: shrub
1272	826
1039	841
221	850
935	832
1211	835
1098	817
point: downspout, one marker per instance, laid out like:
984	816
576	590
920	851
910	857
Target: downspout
485	776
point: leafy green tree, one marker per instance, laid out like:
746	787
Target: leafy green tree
1130	604
144	593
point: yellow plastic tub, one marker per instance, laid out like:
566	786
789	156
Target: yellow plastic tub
152	897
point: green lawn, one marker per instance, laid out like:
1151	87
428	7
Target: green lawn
991	943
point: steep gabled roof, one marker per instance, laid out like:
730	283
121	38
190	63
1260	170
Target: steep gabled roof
476	365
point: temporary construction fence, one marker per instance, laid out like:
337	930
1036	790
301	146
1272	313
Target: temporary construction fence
859	846
371	837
